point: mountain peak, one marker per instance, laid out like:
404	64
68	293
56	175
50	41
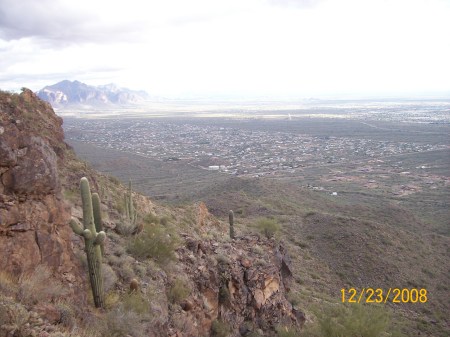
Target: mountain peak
69	93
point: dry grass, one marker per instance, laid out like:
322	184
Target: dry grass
39	286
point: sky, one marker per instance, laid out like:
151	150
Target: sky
230	48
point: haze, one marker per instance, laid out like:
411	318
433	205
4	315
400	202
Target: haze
279	49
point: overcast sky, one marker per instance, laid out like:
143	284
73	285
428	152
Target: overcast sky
241	48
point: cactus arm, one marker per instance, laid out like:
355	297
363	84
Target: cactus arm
98	218
75	225
100	238
86	198
97	212
87	234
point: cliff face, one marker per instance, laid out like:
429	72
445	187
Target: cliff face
33	214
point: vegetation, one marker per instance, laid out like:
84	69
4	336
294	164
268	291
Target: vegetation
131	214
178	291
155	242
92	241
355	320
269	227
231	221
220	329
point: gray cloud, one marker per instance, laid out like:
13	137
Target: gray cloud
60	22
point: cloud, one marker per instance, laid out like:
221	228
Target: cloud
28	18
65	22
296	3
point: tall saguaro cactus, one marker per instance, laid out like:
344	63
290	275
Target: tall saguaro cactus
92	241
129	206
231	220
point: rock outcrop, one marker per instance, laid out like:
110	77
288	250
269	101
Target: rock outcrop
33	214
242	282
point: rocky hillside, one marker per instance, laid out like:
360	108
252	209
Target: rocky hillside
167	271
74	93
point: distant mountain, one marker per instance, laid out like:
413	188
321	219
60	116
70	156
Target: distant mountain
68	93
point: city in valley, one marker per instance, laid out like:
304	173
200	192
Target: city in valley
402	147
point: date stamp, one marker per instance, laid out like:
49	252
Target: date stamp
379	295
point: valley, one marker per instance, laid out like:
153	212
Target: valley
363	202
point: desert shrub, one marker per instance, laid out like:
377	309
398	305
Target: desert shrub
222	259
13	317
39	286
114	180
257	249
109	277
178	291
126	271
269	227
286	331
125	227
67	314
136	302
164	221
140	269
154	242
293	298
150	218
121	322
220	329
111	299
8	285
351	320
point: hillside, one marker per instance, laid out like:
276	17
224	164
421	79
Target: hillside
188	277
361	238
77	94
295	249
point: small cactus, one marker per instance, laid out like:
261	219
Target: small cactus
92	240
231	220
134	285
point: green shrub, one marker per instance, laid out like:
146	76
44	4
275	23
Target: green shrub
220	329
178	291
151	218
351	320
136	302
154	242
269	227
164	221
286	331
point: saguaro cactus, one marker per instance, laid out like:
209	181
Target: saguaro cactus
92	241
129	206
231	219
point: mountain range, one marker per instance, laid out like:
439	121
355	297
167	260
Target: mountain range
72	93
